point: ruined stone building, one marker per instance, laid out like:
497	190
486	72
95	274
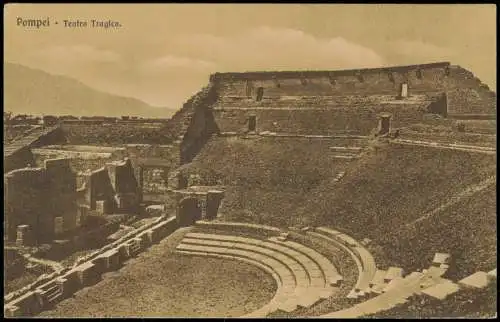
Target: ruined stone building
360	102
44	203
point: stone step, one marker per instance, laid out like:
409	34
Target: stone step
346	148
330	273
310	288
286	277
54	297
291	254
364	260
345	156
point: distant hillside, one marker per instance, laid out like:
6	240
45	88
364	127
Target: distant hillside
32	91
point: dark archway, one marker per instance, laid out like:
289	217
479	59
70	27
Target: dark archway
188	212
252	123
384	124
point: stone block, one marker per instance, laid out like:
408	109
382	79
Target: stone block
12	311
336	280
29	304
64	286
442	290
113	259
24	235
476	280
124	251
378	278
493	274
441	258
88	273
73	282
393	273
58	225
101	207
101	263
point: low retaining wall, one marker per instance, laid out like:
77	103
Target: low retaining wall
240	227
88	270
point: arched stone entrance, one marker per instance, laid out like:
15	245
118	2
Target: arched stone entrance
188	212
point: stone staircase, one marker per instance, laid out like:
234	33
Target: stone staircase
52	293
304	277
135	246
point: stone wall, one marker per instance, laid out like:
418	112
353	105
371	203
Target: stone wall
147	157
421	78
18	154
201	124
348	101
36	196
467	94
116	134
87	271
79	160
113	188
356	118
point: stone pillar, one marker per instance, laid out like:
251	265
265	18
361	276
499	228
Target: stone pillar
214	198
58	225
24	235
141	182
101	207
203	206
182	181
81	215
404	90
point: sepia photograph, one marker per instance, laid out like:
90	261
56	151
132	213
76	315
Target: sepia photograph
248	160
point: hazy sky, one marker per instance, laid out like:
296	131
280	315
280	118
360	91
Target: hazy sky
163	53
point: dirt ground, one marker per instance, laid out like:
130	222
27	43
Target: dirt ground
160	283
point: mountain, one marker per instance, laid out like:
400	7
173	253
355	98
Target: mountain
32	91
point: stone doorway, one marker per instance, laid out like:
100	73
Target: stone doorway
384	124
260	94
252	123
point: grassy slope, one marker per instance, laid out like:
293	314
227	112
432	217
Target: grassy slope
466	230
266	178
395	185
284	182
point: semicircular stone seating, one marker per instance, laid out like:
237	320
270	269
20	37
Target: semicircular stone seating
364	260
303	276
